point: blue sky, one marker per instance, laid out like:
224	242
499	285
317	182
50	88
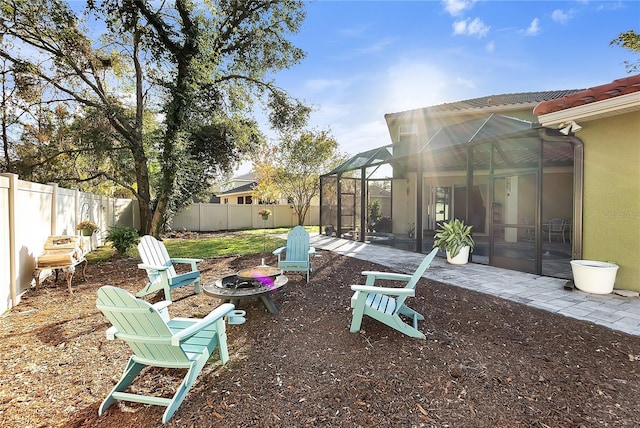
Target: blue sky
368	58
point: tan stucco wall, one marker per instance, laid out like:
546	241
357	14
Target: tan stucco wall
611	228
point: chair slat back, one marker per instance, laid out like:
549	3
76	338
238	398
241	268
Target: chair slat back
154	253
297	244
140	325
416	277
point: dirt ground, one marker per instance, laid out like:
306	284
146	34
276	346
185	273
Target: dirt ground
486	362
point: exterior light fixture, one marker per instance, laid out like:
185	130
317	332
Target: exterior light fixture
569	127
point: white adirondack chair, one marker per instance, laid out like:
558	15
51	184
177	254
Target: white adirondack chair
156	340
386	304
160	270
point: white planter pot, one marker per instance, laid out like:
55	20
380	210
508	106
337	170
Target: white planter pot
594	277
462	257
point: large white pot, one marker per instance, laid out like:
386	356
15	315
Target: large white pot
462	257
594	277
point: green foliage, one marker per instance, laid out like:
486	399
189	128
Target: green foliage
629	40
122	238
374	215
384	225
452	235
199	69
292	168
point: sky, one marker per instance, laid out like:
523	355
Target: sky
369	58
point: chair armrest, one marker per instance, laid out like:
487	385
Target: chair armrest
111	333
373	275
410	292
161	307
183	260
215	315
279	251
150	267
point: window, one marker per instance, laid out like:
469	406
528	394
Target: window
407	131
248	200
240	200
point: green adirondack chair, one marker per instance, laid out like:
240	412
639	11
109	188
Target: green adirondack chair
158	341
160	270
296	256
386	304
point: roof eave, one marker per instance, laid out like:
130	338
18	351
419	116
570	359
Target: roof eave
596	110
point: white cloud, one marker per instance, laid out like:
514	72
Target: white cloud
490	47
456	7
533	29
471	27
560	16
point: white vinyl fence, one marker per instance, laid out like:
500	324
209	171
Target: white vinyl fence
31	212
205	217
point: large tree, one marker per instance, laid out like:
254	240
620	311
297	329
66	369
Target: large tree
292	168
196	68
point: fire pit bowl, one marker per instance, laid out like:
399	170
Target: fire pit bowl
259	273
232	288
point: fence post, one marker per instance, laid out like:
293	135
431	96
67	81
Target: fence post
13	191
54	208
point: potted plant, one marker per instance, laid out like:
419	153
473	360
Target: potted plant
454	237
264	213
87	227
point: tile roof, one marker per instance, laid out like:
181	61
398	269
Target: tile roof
495	101
504	100
614	89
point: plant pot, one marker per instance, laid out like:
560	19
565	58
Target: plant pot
462	257
86	231
265	217
593	276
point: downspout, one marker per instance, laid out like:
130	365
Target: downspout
578	186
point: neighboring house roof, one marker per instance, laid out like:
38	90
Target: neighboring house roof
617	88
249	187
516	100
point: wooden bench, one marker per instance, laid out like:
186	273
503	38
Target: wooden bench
61	253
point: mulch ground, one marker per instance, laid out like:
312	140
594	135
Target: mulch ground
487	362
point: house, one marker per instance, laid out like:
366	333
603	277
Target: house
514	166
239	190
608	119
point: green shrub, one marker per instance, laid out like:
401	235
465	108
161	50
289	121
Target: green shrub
122	238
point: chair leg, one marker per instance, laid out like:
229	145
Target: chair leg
357	303
132	370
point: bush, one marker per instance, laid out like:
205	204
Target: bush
122	238
384	225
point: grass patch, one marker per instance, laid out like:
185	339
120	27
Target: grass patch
243	242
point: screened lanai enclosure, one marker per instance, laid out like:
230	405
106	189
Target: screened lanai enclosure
518	184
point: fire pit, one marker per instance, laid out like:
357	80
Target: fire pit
259	281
